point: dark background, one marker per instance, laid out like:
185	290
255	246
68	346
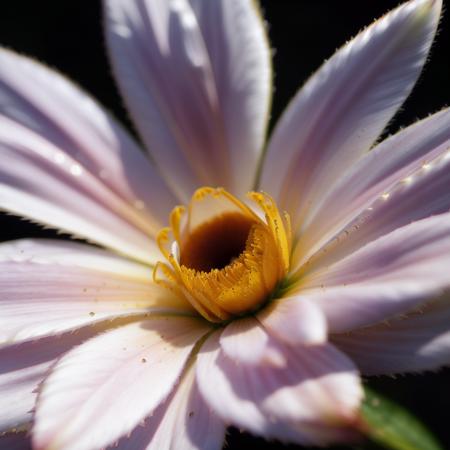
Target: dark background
67	35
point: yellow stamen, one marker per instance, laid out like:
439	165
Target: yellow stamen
224	258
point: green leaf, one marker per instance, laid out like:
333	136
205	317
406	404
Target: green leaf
392	427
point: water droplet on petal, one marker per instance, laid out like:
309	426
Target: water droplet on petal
122	31
408	180
76	170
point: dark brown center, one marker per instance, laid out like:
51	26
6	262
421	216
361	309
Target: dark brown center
216	243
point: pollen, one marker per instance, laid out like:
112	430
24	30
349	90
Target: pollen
224	257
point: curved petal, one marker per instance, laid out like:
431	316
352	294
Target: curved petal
422	194
397	161
294	321
387	277
131	369
246	342
15	441
312	401
66	163
183	422
196	78
22	369
337	116
48	287
414	343
207	203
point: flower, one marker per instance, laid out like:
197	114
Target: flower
237	313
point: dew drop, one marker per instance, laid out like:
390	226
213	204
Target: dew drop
144	360
76	170
408	180
92	313
122	31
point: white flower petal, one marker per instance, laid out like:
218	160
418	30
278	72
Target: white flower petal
102	389
196	78
386	278
312	400
47	287
410	165
66	163
22	369
415	343
246	342
294	321
343	108
183	422
421	195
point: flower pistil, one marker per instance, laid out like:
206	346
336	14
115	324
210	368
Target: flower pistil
229	263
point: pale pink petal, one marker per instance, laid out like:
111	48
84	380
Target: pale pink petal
102	389
418	342
196	78
22	369
292	320
237	44
184	421
15	441
312	400
67	164
245	341
47	287
398	160
210	202
337	116
422	194
387	277
295	321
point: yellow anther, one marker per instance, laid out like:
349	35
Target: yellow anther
230	260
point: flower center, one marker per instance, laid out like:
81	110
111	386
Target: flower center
221	256
216	243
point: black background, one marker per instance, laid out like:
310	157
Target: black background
67	35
